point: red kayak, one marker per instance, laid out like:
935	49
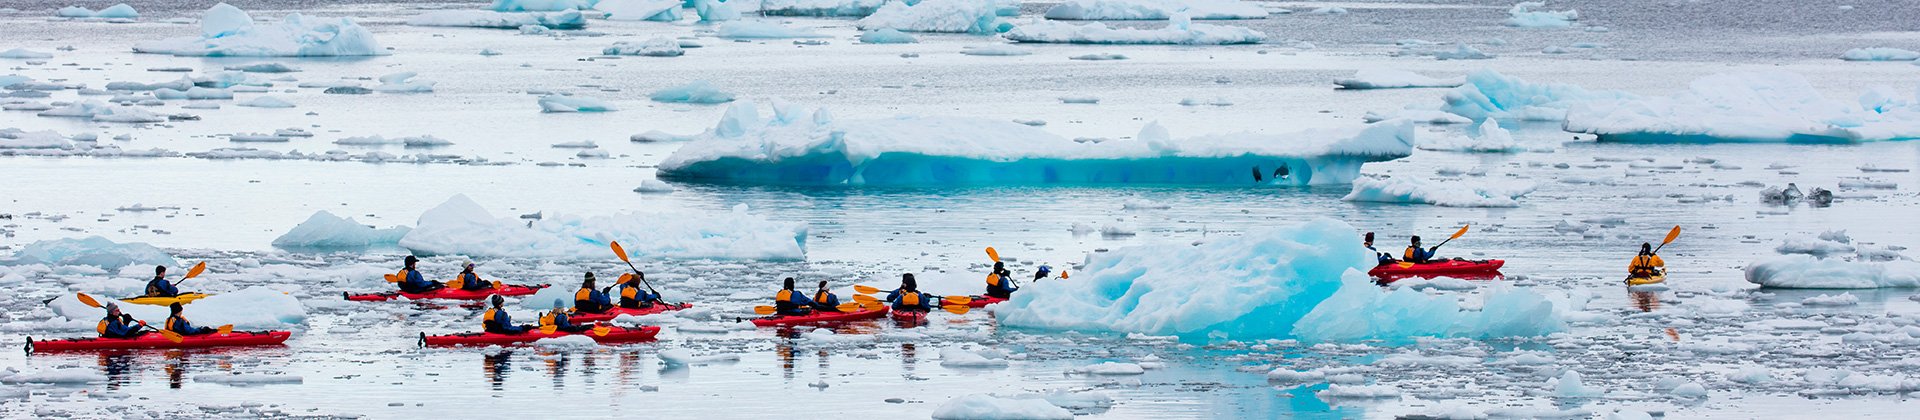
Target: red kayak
977	302
448	293
1438	268
617	312
820	317
907	316
615	335
153	340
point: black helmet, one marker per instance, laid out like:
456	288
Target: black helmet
159	269
788	283
1369	236
1416	239
175	307
410	260
497	300
906	282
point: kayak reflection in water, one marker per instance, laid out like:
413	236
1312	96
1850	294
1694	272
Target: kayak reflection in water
412	282
589	300
788	302
497	321
159	286
1381	258
824	300
557	317
1417	255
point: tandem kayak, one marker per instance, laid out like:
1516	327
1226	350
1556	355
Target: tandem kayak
1639	281
820	317
1439	268
447	293
977	302
617	312
615	335
153	340
183	298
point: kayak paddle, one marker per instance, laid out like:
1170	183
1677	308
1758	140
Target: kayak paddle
1671	235
764	310
193	272
225	329
601	330
1456	235
865	299
861	288
958	300
995	255
169	335
850	307
957	309
549	329
622	252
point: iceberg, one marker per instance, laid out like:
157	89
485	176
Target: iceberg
228	31
325	230
655	47
14	138
1490	138
1880	54
571	19
1180	31
403	82
558	103
462	227
810	148
93	250
1456	193
1461	52
1305	281
73	12
1155	9
540	5
820	8
1799	271
715	11
753	29
1526	15
988	407
979	17
1381	78
886	36
1489	94
118	11
25	54
1769	107
698	92
641	10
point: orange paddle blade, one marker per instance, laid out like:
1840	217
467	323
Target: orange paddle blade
196	270
617	250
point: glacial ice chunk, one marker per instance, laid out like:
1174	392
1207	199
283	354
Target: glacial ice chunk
1880	54
754	29
1180	31
988	407
1770	107
698	92
1489	94
1810	272
641	10
559	103
1457	193
793	148
540	5
570	19
1383	78
654	47
1528	15
1154	9
979	17
886	36
461	227
229	31
93	250
325	230
820	8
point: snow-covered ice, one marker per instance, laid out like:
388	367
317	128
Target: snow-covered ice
1384	78
325	230
1154	9
954	16
228	31
461	227
1179	31
1454	193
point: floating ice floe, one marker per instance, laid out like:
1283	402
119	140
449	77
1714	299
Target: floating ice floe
952	16
1488	94
21	53
1461	52
1528	15
540	5
93	250
462	227
1488	138
1810	272
886	36
641	10
1456	193
1179	31
1303	281
228	31
711	11
754	29
654	186
118	11
570	19
1381	78
403	82
14	138
325	230
988	407
798	146
1770	107
1155	9
559	103
995	50
266	102
820	8
655	47
698	92
1880	54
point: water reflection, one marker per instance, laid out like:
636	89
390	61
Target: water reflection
496	366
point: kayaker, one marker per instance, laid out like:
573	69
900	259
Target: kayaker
159	286
1646	264
471	281
412	282
824	300
589	299
179	324
909	298
1042	273
633	295
1000	282
558	319
119	325
1417	255
497	321
788	302
1381	258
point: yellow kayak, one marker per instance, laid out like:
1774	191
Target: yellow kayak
183	298
1636	281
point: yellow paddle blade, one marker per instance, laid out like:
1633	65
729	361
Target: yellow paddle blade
875	306
995	255
393	278
1463	231
196	270
455	283
1063	274
226	329
849	307
865	299
865	289
1672	235
765	310
624	278
87	299
172	336
957	309
617	250
601	330
959	300
1406	265
549	329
